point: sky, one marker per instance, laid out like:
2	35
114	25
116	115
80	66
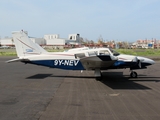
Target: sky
119	20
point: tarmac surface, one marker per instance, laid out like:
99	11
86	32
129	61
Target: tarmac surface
29	92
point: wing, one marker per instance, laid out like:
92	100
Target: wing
98	62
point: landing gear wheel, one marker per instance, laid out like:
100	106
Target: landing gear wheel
98	78
98	75
133	74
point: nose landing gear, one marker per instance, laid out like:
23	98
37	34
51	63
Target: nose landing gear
133	74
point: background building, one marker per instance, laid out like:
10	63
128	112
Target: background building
54	40
6	42
50	40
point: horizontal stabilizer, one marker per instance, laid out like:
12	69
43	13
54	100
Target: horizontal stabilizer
16	60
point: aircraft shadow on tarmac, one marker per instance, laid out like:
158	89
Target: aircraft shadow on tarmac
43	76
114	80
39	76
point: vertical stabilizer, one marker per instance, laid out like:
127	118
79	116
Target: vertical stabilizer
24	46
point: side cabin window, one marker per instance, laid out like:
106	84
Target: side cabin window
79	55
86	54
92	53
104	52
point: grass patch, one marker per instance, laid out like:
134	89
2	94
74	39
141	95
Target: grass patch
8	53
140	52
136	52
55	50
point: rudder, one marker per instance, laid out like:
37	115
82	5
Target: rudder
24	46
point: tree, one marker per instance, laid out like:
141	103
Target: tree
100	40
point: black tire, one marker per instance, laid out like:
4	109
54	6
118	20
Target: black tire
98	78
133	75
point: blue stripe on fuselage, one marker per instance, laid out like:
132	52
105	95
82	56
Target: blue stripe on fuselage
61	64
122	64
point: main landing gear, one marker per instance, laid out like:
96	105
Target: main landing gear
98	74
133	74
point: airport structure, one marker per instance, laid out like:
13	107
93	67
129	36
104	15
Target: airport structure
53	41
56	41
50	41
146	44
7	41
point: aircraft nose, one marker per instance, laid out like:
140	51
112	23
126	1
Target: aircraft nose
146	61
151	61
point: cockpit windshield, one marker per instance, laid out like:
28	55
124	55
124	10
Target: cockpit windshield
114	52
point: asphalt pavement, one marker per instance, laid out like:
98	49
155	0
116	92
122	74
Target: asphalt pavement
29	92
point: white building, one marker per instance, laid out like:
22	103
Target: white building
10	42
40	41
55	40
6	42
75	37
49	40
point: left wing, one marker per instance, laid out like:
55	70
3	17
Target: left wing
98	62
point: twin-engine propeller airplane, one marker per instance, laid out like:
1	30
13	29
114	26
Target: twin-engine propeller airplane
76	59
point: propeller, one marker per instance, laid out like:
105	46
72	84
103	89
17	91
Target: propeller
139	64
